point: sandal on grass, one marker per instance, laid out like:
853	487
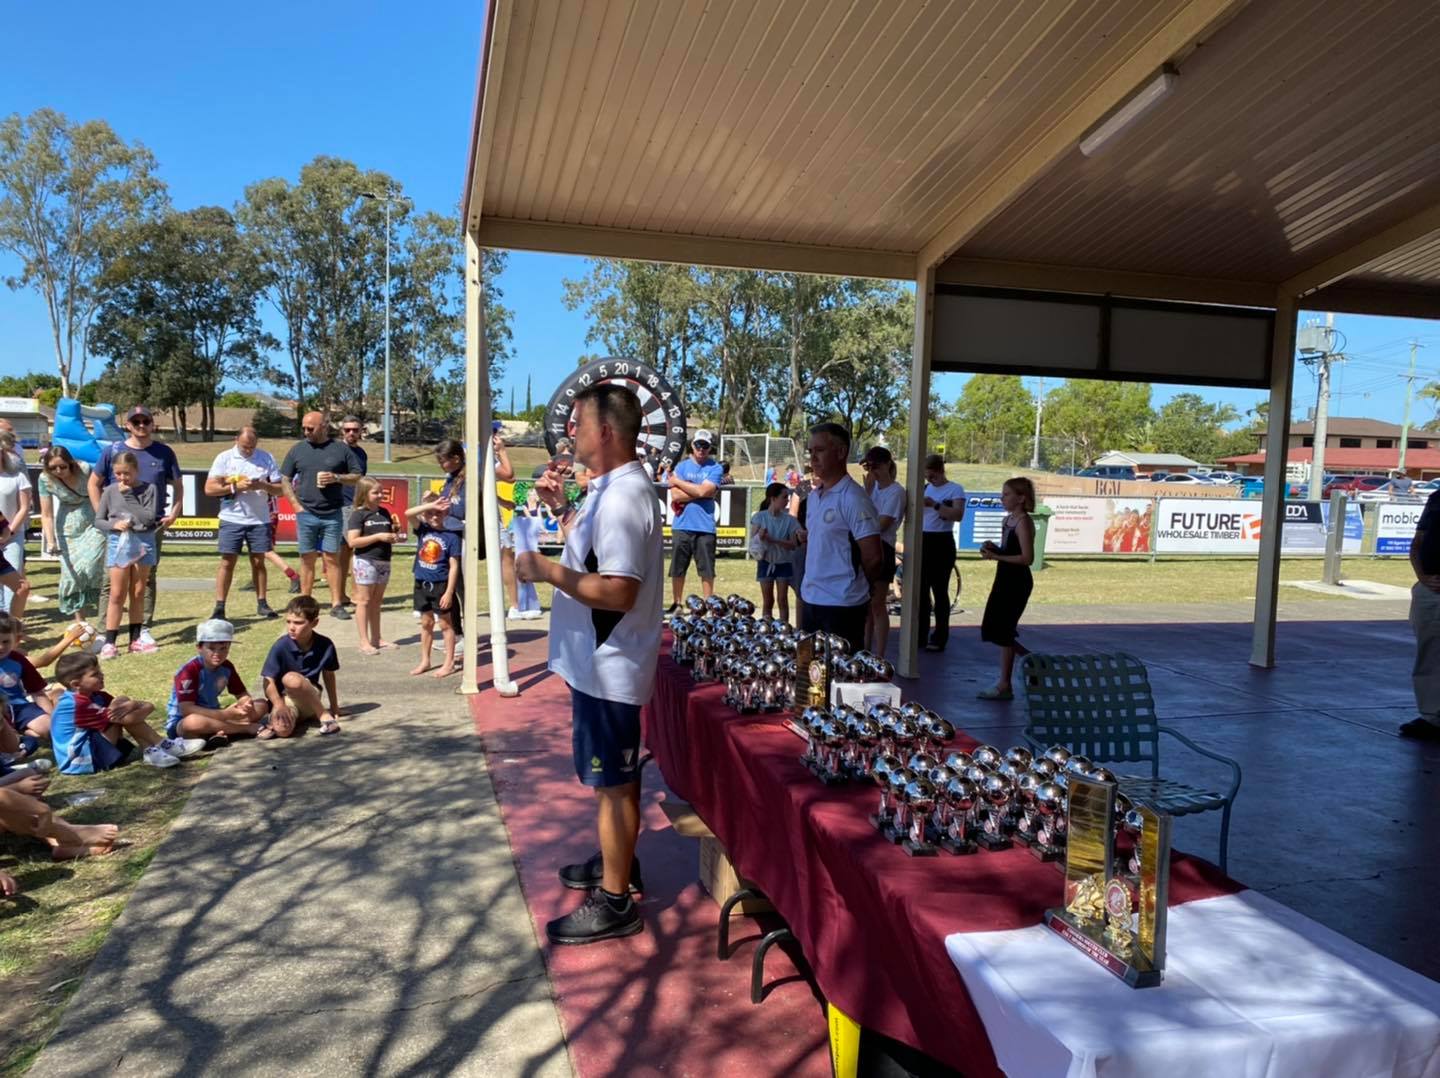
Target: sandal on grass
995	694
329	726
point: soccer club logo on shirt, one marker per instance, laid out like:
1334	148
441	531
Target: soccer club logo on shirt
431	552
9	678
829	515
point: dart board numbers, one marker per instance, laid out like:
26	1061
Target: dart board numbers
662	412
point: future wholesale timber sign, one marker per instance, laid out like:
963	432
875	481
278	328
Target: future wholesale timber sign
1205	526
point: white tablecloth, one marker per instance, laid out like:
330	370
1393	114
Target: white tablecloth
1252	990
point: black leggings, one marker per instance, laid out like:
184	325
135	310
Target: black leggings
937	562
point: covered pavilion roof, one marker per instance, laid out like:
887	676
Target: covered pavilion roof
1296	147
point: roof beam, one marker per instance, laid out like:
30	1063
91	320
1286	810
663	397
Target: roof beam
1339	266
693	250
1369	297
492	70
1098	281
968	214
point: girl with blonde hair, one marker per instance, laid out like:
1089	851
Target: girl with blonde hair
371	533
1013	581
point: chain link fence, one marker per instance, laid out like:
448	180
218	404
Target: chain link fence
1055	454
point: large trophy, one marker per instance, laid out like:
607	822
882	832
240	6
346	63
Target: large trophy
1106	916
812	670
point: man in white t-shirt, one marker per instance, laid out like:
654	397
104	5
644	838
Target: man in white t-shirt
944	508
244	478
842	542
604	641
889	499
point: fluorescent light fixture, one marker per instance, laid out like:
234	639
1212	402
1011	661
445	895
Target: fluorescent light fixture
1129	112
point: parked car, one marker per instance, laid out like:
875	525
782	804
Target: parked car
1387	492
1354	484
1192	480
1224	477
1107	471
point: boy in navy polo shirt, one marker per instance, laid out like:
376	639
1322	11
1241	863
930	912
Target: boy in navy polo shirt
195	708
24	688
293	670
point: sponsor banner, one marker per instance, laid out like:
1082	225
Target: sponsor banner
732	515
396	498
1090	525
1396	527
1233	526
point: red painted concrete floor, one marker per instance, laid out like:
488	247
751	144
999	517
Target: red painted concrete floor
660	1002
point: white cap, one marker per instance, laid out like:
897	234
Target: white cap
214	631
703	435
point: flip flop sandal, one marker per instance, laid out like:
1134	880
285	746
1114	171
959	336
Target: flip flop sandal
266	733
995	694
329	726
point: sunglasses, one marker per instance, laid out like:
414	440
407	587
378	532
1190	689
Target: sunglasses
701	445
350	430
141	421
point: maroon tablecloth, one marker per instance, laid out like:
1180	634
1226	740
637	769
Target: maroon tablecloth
871	920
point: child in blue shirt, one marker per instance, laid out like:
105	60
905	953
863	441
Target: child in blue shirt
195	694
437	575
24	689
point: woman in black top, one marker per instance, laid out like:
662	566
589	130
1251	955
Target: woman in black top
370	531
1013	581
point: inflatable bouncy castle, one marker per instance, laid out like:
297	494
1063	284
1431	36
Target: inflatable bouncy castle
85	429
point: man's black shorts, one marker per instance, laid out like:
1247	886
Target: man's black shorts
427	599
604	739
697	545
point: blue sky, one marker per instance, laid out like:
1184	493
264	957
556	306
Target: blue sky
224	96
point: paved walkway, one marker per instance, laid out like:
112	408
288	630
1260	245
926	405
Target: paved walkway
343	905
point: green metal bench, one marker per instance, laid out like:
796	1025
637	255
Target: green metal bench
1101	706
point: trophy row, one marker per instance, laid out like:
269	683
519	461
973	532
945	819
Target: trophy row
765	664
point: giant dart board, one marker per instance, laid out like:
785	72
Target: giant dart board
662	422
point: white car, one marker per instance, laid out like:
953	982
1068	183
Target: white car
1182	477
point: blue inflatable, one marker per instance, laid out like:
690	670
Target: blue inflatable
85	429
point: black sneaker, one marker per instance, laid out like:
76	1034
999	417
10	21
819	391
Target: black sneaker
595	920
591	874
1420	729
339	613
265	610
294	585
673	608
218	611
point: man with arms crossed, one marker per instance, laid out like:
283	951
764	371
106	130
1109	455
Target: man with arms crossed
315	473
604	641
843	551
944	503
693	484
243	478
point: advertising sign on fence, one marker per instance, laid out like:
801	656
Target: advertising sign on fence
1233	526
732	515
1088	525
984	521
1396	527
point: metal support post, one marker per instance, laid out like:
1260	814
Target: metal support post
1272	506
1335	538
908	649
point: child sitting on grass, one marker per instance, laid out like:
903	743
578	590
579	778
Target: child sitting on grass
195	694
23	688
293	670
437	574
88	722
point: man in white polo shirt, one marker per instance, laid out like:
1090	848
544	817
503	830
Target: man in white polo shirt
244	478
843	554
944	508
604	641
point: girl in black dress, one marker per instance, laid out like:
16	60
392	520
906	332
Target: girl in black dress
1013	582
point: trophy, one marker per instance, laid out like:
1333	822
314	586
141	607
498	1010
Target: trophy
920	799
865	735
959	761
1051	811
1119	926
880	769
812	670
749	686
997	793
936	732
1019	757
772	689
1028	821
987	756
832	742
899	825
959	836
696	606
810	720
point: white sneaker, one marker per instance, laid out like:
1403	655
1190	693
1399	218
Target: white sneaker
531	615
155	756
514	614
145	639
416	613
181	747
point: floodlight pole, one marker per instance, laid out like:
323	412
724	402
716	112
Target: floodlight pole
387	199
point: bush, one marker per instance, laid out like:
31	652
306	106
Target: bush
48	397
272	423
239	400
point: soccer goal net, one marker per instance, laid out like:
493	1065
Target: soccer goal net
759	458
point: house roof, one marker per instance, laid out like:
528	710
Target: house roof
1147	460
1375	460
1354	427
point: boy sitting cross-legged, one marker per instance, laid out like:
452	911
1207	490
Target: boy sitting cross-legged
293	670
195	696
87	724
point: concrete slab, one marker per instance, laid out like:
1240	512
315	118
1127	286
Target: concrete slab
1353	589
342	905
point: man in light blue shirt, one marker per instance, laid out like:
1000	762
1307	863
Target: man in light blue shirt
693	485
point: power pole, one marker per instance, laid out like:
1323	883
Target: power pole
1322	363
1409	392
1039	411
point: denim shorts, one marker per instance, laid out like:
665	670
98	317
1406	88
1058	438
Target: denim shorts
320	531
235	537
147	540
774	570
